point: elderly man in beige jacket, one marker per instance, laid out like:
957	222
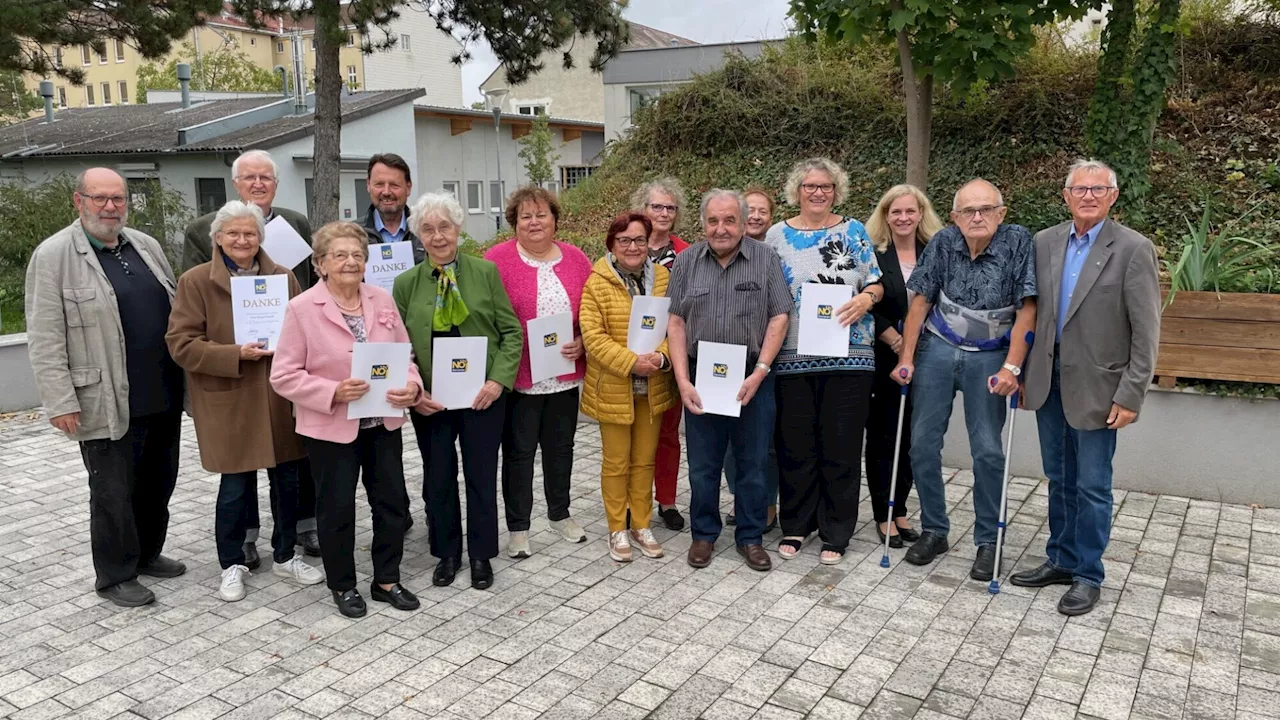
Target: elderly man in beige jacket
97	305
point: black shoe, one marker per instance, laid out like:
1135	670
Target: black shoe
984	564
730	519
672	518
310	543
895	541
929	546
398	596
446	570
162	567
408	524
481	574
129	593
1043	576
1079	600
908	534
251	559
350	603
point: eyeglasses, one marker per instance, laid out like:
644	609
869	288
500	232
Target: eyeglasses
427	232
100	201
813	188
343	256
659	208
1080	191
254	179
985	211
628	241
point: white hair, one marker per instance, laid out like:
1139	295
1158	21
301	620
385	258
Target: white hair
439	203
1090	165
261	155
716	194
234	210
955	200
840	178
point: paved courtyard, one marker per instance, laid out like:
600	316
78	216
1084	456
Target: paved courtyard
1188	626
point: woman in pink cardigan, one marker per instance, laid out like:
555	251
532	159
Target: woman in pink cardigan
542	277
312	368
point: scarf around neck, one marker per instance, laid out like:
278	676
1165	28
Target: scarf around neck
451	311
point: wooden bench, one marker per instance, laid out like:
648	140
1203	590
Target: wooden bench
1228	336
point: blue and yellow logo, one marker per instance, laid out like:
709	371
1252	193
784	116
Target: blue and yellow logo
824	312
378	372
386	252
719	370
265	341
648	322
549	340
259	286
458	365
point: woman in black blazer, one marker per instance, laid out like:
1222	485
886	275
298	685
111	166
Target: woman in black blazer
902	223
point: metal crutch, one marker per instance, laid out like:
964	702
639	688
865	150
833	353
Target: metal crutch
994	587
897	451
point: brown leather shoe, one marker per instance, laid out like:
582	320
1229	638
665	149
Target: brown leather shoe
700	553
757	558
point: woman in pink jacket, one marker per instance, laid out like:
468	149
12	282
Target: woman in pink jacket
542	277
313	369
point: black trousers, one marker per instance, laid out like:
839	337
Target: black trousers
234	493
481	434
375	454
130	483
882	429
821	418
306	504
533	421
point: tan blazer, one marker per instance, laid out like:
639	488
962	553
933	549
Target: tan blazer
1110	338
74	333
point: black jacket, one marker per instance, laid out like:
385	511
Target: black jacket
892	309
197	247
375	237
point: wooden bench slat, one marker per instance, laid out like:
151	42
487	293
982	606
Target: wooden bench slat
1219	333
1218	363
1245	307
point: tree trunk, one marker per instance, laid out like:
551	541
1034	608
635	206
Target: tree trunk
327	175
919	94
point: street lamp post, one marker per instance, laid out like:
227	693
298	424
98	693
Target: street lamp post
497	145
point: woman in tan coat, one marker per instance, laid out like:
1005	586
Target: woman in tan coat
242	425
625	391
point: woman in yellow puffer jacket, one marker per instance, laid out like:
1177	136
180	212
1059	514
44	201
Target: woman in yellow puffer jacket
625	392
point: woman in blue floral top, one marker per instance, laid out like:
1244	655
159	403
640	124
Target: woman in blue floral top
823	401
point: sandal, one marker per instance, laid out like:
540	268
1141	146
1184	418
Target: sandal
789	547
822	556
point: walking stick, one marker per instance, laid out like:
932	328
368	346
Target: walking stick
994	587
897	451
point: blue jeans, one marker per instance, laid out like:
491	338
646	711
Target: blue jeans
941	370
1078	463
707	437
237	491
770	473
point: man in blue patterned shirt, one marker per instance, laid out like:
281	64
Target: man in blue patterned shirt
976	288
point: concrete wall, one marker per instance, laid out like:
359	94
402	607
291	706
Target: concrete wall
17	384
576	94
1204	447
426	64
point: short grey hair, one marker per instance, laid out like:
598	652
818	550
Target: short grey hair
667	185
261	155
955	199
1091	165
234	210
716	194
791	191
439	203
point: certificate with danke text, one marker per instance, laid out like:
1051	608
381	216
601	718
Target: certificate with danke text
257	308
386	262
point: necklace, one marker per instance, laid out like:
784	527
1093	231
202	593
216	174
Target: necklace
346	309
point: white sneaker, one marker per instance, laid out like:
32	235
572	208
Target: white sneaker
649	546
569	530
298	570
518	544
619	548
232	587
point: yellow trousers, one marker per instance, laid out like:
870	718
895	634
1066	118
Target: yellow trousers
626	470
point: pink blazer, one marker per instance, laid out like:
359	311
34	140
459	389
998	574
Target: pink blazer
314	355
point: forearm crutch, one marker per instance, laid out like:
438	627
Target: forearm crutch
897	452
994	587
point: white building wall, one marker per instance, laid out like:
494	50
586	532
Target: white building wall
426	64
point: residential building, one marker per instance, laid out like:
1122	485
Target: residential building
576	93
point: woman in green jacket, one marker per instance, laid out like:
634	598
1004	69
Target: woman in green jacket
455	295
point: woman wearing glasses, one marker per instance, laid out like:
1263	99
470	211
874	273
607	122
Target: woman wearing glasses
626	392
823	401
660	201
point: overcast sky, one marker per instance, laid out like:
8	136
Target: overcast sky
705	21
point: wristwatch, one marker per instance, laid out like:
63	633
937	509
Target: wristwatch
765	368
1017	371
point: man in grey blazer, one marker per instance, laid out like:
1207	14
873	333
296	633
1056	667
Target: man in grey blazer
1097	335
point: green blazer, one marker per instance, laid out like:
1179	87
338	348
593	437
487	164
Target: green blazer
197	248
490	315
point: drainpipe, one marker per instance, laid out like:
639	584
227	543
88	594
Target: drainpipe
184	82
46	91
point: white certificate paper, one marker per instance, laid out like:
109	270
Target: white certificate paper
721	370
546	335
285	246
386	262
820	332
458	370
257	308
385	366
648	327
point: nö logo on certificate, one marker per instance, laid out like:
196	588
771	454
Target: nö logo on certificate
260	286
719	370
549	340
458	365
386	252
647	322
824	312
378	372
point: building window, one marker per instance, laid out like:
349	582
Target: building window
313	43
106	93
531	109
279	46
102	58
211	194
404	43
571	176
84	55
124	93
353	80
62	97
496	196
475	197
253	41
88	95
119	51
57	57
644	97
552	187
351	40
451	187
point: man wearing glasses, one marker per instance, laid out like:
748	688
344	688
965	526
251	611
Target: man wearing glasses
97	304
976	301
1087	377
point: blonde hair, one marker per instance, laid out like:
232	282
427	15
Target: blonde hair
754	189
821	164
667	185
878	224
338	230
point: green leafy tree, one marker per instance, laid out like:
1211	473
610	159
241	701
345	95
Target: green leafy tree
16	101
478	105
224	69
962	42
536	152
